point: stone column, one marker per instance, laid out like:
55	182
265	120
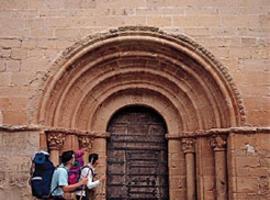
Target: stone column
219	146
55	143
176	165
85	142
188	149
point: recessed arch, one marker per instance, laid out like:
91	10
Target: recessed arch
137	164
134	96
134	107
173	67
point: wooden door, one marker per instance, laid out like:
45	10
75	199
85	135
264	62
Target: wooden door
137	156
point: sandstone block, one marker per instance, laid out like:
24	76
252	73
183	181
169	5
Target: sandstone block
18	53
14	117
5	78
10	42
248	185
159	21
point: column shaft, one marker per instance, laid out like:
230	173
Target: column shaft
188	148
219	146
220	169
190	170
54	156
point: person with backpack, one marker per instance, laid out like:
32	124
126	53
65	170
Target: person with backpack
75	171
89	172
59	183
41	175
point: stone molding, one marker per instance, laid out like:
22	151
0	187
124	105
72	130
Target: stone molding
49	130
194	134
103	135
13	128
77	132
219	131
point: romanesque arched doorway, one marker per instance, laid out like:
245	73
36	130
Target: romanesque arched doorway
137	163
172	74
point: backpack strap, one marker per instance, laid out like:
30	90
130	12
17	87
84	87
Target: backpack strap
53	190
90	169
84	187
31	172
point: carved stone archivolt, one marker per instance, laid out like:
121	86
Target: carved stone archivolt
104	83
56	140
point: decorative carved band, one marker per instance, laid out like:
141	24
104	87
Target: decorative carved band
188	145
68	131
218	142
55	140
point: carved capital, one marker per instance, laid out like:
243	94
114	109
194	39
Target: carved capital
218	142
56	140
85	141
188	145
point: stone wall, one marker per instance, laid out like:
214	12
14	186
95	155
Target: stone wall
16	149
248	165
17	146
35	32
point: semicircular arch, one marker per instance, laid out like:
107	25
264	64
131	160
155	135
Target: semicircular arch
174	69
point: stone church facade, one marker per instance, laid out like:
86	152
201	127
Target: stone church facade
173	95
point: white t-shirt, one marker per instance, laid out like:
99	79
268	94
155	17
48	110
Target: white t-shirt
87	172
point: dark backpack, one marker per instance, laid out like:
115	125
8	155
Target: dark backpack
42	172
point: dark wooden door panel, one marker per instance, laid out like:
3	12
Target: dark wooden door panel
137	156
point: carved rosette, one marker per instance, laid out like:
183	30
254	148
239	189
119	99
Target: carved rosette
218	142
85	141
188	145
56	140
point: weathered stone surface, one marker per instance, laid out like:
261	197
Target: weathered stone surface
38	39
16	150
249	165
